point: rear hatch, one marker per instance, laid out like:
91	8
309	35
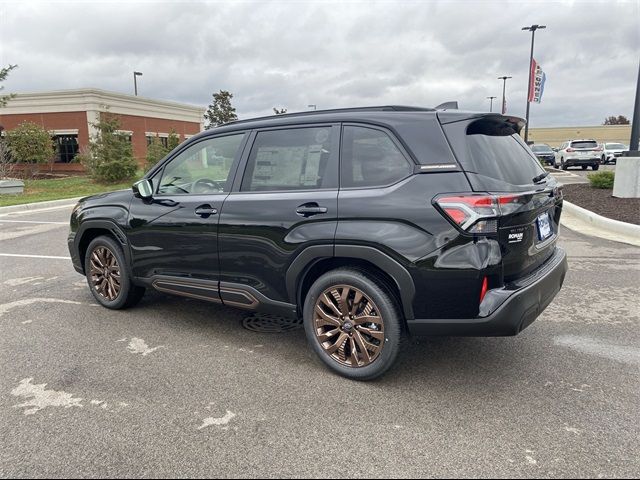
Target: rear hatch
587	148
525	201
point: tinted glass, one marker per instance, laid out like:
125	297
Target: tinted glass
541	148
370	158
294	159
504	158
202	168
585	144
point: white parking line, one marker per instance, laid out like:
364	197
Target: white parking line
33	256
37	210
32	221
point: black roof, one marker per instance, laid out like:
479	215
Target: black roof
382	108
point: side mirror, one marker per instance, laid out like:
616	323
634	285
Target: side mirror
143	189
554	149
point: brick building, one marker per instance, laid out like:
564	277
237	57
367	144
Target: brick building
69	115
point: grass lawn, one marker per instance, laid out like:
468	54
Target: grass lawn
55	189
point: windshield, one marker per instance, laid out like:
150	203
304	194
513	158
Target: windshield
616	146
541	149
584	144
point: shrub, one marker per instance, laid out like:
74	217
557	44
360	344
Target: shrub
601	179
110	155
30	143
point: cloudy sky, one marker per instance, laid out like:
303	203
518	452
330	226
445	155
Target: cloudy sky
333	54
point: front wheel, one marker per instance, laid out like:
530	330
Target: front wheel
562	164
107	275
353	323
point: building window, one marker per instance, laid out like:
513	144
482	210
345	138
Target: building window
66	148
163	137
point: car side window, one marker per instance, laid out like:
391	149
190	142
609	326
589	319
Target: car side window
202	168
291	159
369	158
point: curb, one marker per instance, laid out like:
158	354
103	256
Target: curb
591	223
39	205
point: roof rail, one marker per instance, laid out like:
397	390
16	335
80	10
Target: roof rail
382	108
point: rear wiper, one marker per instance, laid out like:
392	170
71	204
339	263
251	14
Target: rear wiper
540	177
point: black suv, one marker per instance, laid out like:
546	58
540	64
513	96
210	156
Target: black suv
369	223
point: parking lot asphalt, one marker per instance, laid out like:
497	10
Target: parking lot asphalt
577	175
177	387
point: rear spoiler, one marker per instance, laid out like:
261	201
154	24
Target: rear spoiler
489	123
448	106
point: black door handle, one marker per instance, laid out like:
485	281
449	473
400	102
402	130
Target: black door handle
310	209
205	210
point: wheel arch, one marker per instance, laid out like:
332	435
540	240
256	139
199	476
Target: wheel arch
315	261
92	229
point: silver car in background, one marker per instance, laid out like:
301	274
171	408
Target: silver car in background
579	153
611	152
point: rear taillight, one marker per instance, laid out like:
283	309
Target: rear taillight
599	149
569	150
478	213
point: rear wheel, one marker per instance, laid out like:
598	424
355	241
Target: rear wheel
353	323
107	275
595	166
584	167
562	164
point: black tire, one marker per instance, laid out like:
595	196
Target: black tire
128	294
387	308
584	167
604	160
562	164
595	166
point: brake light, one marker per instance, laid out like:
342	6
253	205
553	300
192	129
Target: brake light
479	213
570	150
484	289
599	149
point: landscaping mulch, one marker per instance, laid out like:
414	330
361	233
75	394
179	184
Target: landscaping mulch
603	203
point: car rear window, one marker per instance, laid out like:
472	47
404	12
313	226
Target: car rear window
584	144
541	149
503	158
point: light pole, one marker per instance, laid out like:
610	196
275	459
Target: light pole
532	29
135	81
504	88
635	124
315	107
491	103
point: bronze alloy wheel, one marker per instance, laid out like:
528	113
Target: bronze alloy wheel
105	273
348	326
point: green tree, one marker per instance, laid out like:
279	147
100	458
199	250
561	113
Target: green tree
30	143
109	158
173	141
220	111
279	111
156	151
4	73
619	120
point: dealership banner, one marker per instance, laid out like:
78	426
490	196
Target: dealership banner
538	78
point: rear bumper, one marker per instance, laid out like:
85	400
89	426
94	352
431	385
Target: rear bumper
582	160
505	311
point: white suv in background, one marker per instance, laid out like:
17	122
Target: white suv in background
611	152
579	153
